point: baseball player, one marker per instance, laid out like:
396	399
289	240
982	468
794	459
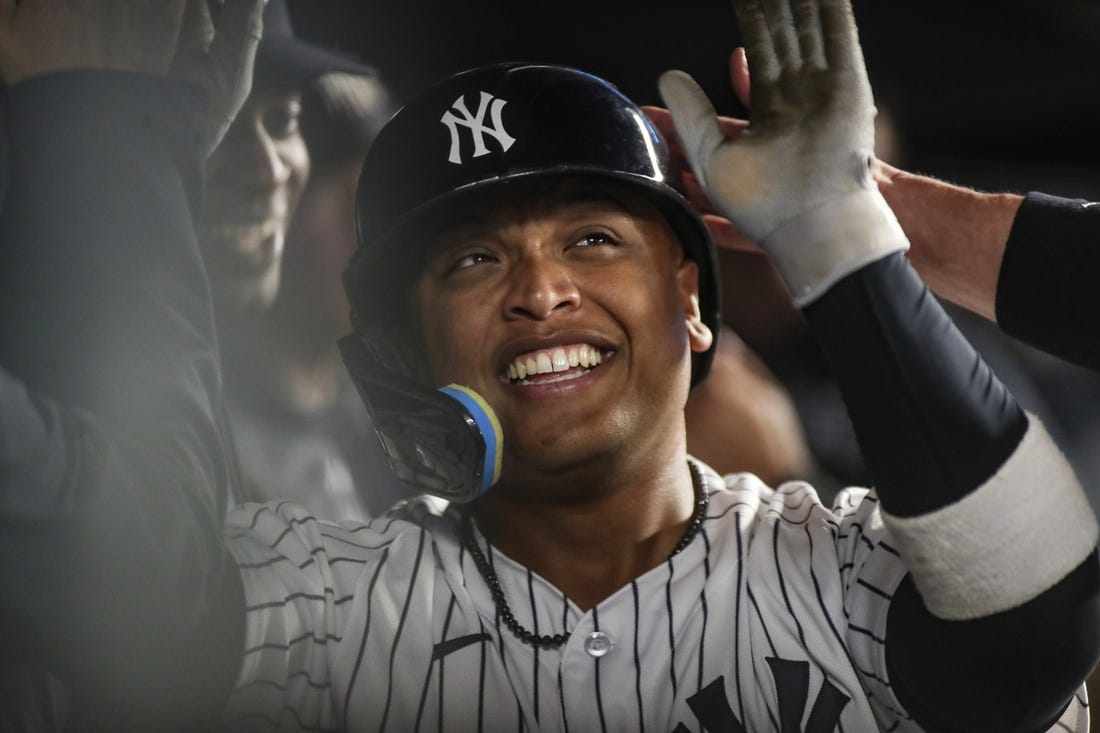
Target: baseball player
521	245
607	581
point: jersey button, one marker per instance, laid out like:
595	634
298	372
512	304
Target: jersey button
598	643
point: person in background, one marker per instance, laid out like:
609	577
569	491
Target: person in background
297	420
279	390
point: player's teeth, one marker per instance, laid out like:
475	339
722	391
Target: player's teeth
559	361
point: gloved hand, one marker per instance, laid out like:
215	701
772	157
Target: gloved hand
799	180
219	58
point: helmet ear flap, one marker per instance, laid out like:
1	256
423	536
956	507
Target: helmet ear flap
444	442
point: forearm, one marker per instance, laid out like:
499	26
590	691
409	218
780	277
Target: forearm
111	501
957	235
105	310
982	506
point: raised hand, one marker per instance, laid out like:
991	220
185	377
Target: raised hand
175	37
798	180
220	57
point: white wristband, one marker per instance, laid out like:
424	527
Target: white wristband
815	250
1007	541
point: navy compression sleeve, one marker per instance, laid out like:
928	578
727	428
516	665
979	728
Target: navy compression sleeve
935	425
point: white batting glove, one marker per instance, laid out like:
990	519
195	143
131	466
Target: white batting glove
220	59
798	180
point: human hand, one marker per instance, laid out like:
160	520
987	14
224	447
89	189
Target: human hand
219	58
799	180
43	36
725	233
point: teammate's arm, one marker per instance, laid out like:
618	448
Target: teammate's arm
999	539
111	473
1025	262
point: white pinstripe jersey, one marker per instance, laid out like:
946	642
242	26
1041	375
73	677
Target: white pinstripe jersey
771	619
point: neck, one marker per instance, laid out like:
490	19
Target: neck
618	527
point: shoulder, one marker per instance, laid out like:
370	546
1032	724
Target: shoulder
793	502
792	516
286	532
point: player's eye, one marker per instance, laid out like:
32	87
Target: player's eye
468	260
596	238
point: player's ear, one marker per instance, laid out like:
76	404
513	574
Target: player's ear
700	337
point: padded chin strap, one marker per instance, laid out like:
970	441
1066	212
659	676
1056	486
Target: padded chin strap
444	442
488	426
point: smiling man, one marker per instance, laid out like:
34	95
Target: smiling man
255	177
589	574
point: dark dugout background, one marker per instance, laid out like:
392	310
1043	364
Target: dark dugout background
999	94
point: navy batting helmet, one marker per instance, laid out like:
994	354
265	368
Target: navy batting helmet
475	130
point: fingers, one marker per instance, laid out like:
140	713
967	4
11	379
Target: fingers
739	76
808	23
229	64
662	120
727	236
753	22
680	176
784	38
838	25
790	34
696	123
196	31
238	34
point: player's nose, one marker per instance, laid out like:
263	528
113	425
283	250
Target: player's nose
261	159
538	287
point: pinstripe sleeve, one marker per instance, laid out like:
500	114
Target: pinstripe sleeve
870	572
309	586
297	584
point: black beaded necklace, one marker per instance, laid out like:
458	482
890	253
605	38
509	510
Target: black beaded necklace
553	641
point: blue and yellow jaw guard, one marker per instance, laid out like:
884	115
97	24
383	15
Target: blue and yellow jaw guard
446	442
488	426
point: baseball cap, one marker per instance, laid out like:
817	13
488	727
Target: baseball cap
285	60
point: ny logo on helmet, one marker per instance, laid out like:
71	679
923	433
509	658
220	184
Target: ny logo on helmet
476	125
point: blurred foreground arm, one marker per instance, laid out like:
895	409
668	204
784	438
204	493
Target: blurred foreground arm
112	477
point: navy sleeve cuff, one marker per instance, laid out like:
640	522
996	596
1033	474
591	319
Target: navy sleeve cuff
1046	291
